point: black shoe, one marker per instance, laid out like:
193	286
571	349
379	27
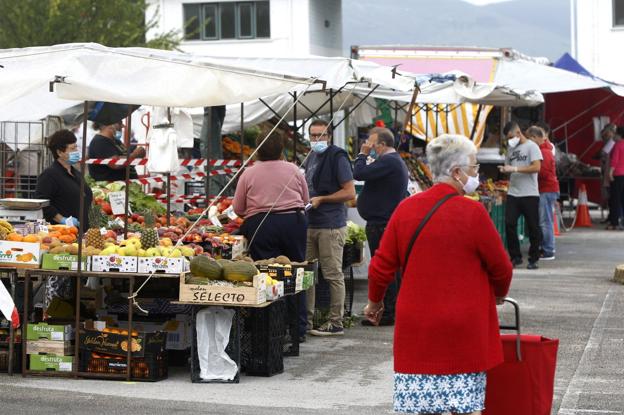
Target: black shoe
302	339
532	265
516	261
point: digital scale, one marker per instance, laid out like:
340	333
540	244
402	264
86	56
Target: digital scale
22	210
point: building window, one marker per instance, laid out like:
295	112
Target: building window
227	20
618	13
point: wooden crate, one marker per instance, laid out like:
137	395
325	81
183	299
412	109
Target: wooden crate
619	274
218	295
49	347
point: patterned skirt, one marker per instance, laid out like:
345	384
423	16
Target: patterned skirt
434	394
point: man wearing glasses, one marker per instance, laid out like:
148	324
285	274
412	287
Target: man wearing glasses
523	162
330	184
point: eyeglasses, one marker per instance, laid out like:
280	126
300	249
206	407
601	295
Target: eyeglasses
474	166
318	135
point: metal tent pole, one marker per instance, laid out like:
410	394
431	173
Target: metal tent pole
476	121
80	235
242	132
128	152
294	129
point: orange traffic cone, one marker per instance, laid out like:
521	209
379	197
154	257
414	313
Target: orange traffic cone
556	220
583	220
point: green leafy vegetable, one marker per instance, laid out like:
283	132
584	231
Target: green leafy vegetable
355	233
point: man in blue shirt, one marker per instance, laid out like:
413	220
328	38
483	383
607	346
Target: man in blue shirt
330	183
385	186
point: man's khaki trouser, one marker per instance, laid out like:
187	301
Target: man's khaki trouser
327	245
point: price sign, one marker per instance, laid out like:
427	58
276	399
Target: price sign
117	202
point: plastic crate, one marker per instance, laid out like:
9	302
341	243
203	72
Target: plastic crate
17	359
262	343
233	348
497	213
151	368
322	299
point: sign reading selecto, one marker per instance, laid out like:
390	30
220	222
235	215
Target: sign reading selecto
203	295
117	202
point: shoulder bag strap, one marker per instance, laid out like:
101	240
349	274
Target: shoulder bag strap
422	224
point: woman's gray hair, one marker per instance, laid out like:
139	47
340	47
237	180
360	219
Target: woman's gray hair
448	151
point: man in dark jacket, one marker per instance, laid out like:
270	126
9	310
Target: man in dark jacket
385	186
330	183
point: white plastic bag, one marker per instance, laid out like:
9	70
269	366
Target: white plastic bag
213	326
163	155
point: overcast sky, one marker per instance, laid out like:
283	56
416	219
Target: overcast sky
534	27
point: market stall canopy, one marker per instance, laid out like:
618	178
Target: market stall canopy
503	67
91	72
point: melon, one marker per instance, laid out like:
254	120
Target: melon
204	267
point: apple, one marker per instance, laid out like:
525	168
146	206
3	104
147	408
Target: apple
176	253
187	251
198	250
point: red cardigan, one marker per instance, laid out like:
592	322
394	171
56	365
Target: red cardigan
446	319
547	176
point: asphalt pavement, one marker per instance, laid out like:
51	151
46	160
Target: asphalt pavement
572	298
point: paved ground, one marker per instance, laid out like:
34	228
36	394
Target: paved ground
572	298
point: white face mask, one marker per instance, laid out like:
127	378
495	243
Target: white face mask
471	184
512	142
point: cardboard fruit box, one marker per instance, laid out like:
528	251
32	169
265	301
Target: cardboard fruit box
117	344
46	331
223	295
49	347
42	362
64	262
163	265
20	254
114	263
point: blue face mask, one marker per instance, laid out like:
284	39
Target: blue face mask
117	135
319	146
74	157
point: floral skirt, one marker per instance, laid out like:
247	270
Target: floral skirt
434	394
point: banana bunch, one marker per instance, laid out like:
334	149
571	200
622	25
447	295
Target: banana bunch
5	229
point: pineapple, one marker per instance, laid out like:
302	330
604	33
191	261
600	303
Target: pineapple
97	219
149	236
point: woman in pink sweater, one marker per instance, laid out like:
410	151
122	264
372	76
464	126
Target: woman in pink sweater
271	197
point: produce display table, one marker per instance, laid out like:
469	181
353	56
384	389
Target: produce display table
41	273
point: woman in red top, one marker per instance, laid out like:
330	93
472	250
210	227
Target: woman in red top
446	334
616	176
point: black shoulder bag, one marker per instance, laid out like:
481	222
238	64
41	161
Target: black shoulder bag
422	224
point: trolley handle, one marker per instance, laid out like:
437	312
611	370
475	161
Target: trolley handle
516	326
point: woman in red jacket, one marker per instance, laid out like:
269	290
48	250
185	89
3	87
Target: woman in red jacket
446	334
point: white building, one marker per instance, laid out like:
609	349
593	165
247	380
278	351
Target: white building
252	28
598	37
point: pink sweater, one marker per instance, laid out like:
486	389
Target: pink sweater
260	186
617	158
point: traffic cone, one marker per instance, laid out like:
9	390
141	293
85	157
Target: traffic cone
555	220
583	220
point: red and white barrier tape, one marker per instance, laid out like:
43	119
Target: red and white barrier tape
183	162
184	176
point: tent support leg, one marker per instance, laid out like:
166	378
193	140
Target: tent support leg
242	132
476	121
294	129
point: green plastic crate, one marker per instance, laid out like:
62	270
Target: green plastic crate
497	213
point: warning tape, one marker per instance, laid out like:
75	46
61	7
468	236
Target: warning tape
184	176
116	161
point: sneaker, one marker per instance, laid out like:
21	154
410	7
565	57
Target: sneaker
327	329
532	265
547	257
516	261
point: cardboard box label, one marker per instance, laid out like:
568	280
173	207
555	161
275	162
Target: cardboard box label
54	363
49	332
163	265
64	261
114	263
117	344
20	254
